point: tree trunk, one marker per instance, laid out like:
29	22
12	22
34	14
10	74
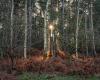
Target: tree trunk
11	28
63	36
25	40
30	22
77	28
11	54
46	28
86	37
92	27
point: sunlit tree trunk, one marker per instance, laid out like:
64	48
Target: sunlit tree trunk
11	28
58	46
45	34
25	40
46	16
77	27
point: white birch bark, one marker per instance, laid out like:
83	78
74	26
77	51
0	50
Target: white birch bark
46	16
11	28
77	28
25	40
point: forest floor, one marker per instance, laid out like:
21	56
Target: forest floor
60	65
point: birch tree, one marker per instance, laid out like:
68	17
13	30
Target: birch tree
25	40
46	17
77	27
11	28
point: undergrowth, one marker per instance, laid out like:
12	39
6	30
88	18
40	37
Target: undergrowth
31	76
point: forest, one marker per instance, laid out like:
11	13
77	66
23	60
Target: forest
49	39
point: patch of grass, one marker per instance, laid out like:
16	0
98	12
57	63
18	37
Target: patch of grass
31	76
25	76
94	78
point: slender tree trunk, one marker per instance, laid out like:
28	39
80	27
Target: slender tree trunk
92	27
11	28
30	22
58	46
77	28
25	40
45	34
10	54
86	37
64	48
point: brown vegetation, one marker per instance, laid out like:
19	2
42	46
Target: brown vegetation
59	64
